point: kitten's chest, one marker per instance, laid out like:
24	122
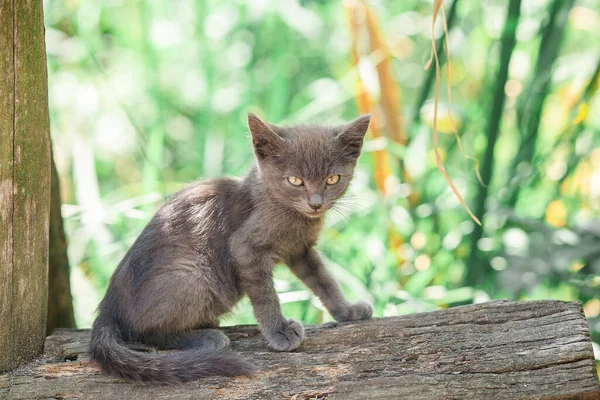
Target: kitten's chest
289	238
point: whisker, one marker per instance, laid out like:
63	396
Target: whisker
341	214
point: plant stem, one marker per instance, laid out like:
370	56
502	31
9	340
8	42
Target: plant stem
531	102
430	78
153	164
475	272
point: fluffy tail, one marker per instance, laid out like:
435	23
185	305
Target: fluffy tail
108	349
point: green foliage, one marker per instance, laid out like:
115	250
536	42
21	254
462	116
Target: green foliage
148	96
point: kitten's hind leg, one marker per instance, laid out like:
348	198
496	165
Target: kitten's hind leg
205	339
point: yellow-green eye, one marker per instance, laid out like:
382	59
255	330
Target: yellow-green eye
333	179
294	180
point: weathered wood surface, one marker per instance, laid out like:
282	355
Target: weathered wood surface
498	350
24	181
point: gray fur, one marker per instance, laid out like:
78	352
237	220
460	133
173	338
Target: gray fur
217	240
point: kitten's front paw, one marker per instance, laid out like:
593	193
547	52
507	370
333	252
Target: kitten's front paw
356	311
287	337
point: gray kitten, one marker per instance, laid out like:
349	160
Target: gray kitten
217	240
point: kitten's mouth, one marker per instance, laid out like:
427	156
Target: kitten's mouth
314	213
311	213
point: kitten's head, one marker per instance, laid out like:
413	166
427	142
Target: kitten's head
307	167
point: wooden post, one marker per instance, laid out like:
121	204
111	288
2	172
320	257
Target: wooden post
24	182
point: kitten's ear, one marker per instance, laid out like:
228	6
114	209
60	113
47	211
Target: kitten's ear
353	134
266	142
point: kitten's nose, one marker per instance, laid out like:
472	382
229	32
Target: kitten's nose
315	202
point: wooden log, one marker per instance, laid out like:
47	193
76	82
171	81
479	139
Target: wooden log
497	350
24	182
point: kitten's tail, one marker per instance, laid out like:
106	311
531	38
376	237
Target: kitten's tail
108	349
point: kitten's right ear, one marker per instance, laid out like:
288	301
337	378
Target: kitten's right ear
353	134
266	142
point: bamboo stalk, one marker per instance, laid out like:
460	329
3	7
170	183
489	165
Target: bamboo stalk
475	270
574	126
390	90
531	102
204	117
435	60
390	100
356	14
279	95
153	164
578	125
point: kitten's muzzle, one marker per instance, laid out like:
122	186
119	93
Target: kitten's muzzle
315	201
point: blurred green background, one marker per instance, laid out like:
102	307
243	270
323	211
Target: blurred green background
147	96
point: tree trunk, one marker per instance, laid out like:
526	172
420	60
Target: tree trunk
498	350
60	301
24	182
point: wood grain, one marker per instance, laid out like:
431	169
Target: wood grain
7	117
24	181
497	350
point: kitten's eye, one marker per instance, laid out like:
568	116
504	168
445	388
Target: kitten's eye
333	179
295	181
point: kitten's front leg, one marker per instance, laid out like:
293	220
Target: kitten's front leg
310	269
256	275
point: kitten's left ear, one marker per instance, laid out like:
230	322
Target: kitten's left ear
353	134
